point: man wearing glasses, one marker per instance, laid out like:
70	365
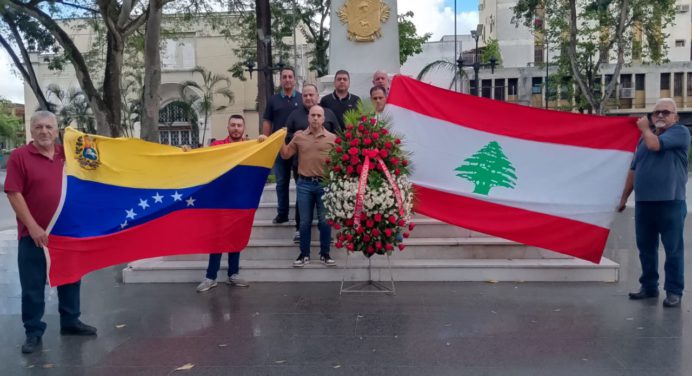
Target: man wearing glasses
658	175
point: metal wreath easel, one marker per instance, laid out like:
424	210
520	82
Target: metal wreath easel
370	286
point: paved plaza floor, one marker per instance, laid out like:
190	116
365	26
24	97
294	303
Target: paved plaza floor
308	329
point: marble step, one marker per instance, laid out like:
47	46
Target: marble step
439	270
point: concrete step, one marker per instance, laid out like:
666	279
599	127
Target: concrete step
267	211
441	270
425	228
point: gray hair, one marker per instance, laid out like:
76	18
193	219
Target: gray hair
306	84
669	101
42	114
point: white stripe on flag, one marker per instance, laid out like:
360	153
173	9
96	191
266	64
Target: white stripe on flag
578	183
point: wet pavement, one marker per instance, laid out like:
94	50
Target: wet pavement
308	329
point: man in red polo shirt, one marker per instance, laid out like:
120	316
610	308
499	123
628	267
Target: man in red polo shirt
33	187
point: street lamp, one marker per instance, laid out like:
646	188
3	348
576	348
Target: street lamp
250	65
475	34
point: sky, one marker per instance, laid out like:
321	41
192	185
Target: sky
430	16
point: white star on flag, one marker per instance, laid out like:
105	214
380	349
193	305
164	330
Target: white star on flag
130	214
190	201
158	198
143	203
122	225
177	196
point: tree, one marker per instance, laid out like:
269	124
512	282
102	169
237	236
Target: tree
409	42
72	106
443	65
314	15
592	32
488	168
201	97
491	50
11	127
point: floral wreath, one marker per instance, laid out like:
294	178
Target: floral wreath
368	196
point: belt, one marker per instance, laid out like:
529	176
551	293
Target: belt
310	178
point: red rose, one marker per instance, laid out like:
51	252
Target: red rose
397	141
349	170
361	127
389	247
406	234
367	142
359	168
371	250
411	226
337	141
373	121
340	237
353	151
397	172
375	135
339	149
360	230
379	167
384	131
401	247
388	232
349	126
338	244
375	232
366	238
327	161
337	226
370	223
355	142
366	131
378	217
349	237
337	168
402	223
350	247
363	118
404	162
388	145
378	245
344	157
348	135
384	153
394	160
349	223
354	161
392	219
330	222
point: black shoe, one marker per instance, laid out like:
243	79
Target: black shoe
31	345
80	329
278	220
327	260
672	300
643	294
296	237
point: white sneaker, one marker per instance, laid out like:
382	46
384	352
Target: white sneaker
235	280
206	285
301	261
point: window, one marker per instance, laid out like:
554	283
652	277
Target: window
499	91
178	54
677	84
689	84
536	84
665	81
639	82
176	112
538	54
486	88
513	84
679	43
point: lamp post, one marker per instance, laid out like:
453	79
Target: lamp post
475	34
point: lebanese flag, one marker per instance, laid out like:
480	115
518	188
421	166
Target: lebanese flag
543	178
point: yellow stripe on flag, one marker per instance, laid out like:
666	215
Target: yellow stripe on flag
140	164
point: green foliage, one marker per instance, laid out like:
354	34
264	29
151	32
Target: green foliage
11	127
202	97
443	65
410	43
491	50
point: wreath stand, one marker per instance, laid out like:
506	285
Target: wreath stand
370	286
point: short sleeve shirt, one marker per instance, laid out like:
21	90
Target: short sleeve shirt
312	150
38	179
279	106
662	175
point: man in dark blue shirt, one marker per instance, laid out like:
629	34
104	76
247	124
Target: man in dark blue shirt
340	100
658	176
279	106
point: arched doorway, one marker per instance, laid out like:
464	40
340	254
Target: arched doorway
178	125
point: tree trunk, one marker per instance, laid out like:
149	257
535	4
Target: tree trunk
265	81
112	88
152	74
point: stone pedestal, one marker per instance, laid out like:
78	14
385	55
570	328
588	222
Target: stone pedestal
361	59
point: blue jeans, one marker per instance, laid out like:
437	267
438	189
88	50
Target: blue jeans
310	196
32	278
215	264
667	219
282	173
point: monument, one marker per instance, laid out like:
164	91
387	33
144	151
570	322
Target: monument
364	39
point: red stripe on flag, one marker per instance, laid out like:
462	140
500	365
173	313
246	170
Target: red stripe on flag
562	235
181	232
512	120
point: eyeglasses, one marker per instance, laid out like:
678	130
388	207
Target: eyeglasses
663	113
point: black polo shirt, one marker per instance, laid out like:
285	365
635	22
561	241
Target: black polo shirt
279	106
298	121
340	106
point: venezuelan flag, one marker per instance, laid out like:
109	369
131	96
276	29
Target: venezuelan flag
128	199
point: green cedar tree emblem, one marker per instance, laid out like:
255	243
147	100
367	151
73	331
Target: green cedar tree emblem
488	168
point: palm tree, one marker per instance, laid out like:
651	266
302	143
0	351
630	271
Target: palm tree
204	103
72	106
58	103
443	65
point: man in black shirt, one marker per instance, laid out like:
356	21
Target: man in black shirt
279	106
298	119
340	100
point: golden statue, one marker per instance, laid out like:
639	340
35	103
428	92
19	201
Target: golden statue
364	19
